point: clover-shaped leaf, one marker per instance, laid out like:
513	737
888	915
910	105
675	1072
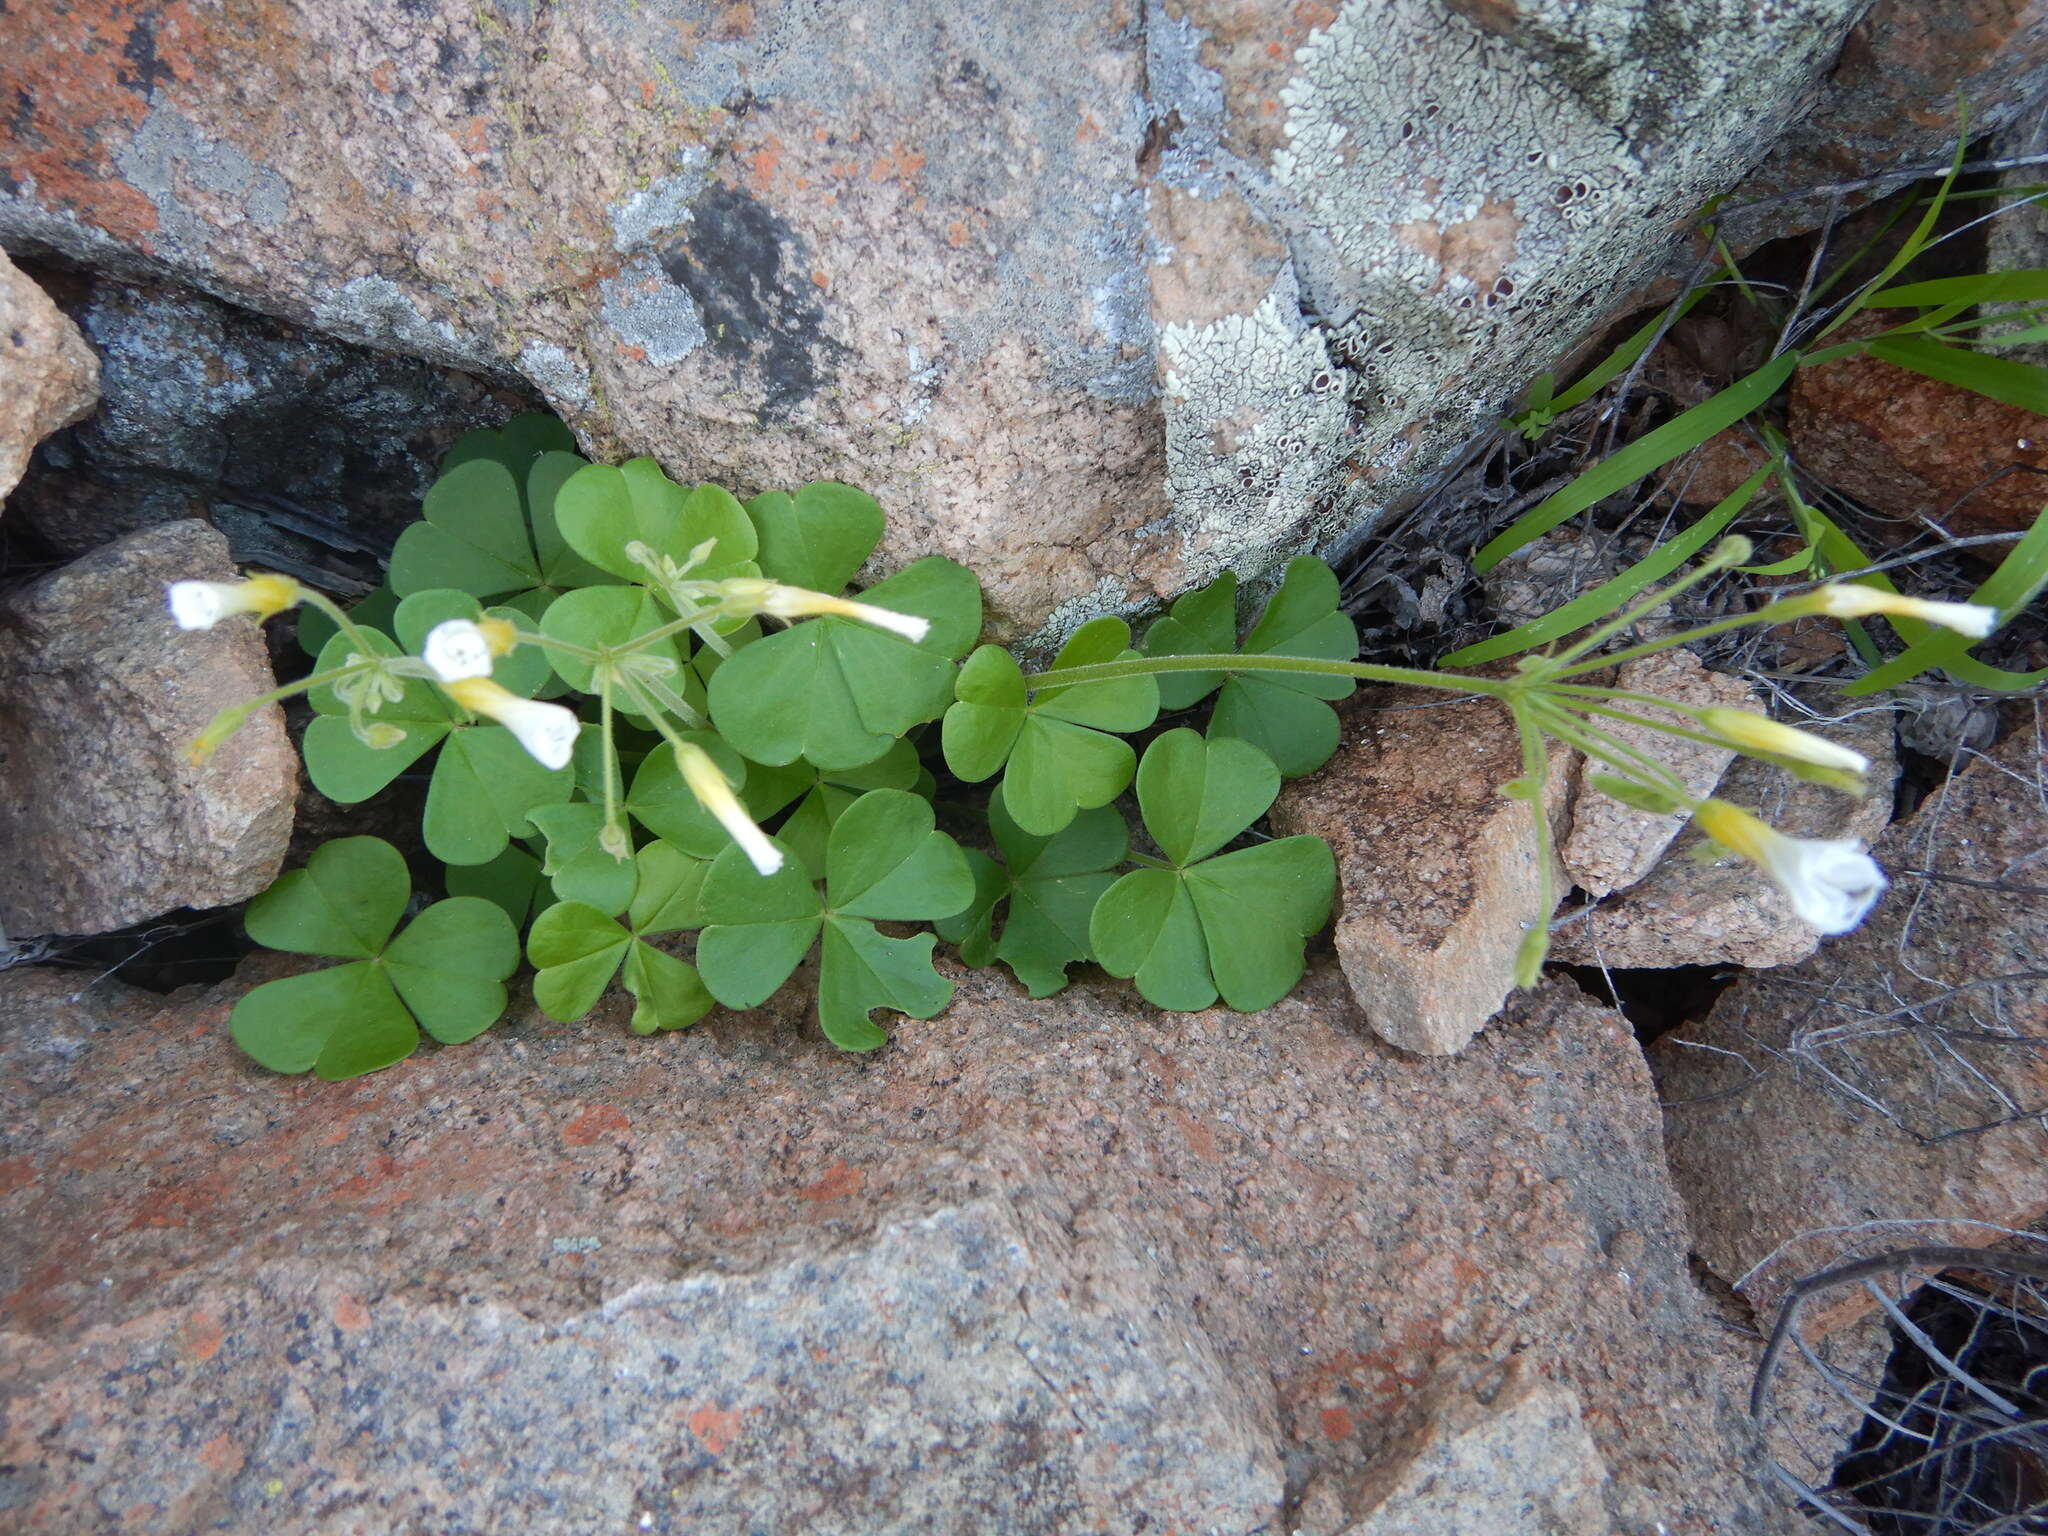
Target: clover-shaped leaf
576	866
445	973
1051	885
484	781
662	803
838	692
817	538
1054	743
883	862
600	617
602	510
821	796
479	521
1233	924
511	882
1282	713
576	949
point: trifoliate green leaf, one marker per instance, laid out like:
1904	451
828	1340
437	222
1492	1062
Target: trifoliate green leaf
450	965
821	796
472	536
884	861
662	802
344	902
602	510
1234	924
576	949
484	784
445	972
817	538
1281	713
490	525
1053	744
839	692
576	866
1051	886
511	882
1201	623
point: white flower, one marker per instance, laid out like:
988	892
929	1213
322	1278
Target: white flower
457	649
548	731
1832	882
1852	600
1756	733
708	783
203	604
797	603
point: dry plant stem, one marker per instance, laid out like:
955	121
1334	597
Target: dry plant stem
2034	1266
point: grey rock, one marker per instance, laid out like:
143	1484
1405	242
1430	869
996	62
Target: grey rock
1438	876
48	376
104	819
1510	1457
310	455
1884	1093
1728	912
1039	1266
943	251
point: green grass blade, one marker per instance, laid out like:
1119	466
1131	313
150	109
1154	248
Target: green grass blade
1979	288
1610	596
1651	451
1998	378
2018	579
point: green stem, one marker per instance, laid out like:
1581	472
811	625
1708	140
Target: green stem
641	692
306	684
666	697
1771	613
611	757
1147	666
1149	862
1536	773
1610	749
325	604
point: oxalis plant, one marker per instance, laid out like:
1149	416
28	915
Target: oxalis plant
624	752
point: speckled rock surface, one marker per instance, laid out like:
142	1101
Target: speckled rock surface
1612	845
1878	1095
1437	873
1038	1266
49	377
1915	450
103	820
1507	1454
1889	97
1729	912
309	454
1102	297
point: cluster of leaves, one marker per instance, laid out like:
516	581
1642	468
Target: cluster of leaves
1942	329
822	728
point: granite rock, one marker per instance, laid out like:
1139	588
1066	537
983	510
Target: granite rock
308	453
1102	298
48	376
1036	1267
104	820
1729	912
1437	871
1884	1093
1612	845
